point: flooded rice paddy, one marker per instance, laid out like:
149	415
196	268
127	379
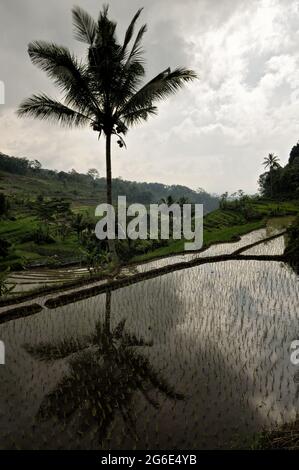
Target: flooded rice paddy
35	278
195	359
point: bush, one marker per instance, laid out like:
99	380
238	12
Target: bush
38	236
4	248
292	250
3	205
250	214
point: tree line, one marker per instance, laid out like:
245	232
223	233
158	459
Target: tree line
141	192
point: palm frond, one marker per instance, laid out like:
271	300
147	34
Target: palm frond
131	340
67	73
164	84
147	374
128	82
132	72
84	26
271	161
136	50
104	13
62	402
48	352
130	30
43	107
105	29
135	117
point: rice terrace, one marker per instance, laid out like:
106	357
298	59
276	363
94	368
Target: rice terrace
138	315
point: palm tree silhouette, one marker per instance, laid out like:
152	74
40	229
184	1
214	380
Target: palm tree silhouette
169	200
105	371
105	90
271	162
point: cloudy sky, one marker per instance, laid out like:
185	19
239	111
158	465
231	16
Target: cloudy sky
213	134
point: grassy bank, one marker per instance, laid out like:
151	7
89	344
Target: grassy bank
220	226
283	437
227	225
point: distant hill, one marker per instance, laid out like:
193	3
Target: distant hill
25	178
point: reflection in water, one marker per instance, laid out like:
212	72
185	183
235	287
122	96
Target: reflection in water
106	369
222	335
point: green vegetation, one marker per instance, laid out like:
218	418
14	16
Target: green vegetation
49	217
283	437
292	249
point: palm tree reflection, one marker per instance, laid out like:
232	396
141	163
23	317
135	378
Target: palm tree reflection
106	369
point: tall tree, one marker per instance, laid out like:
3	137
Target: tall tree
93	173
271	162
294	154
105	90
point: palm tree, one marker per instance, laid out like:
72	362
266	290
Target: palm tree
183	200
169	200
105	90
105	372
271	162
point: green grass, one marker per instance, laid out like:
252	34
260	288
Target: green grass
284	207
223	226
219	226
25	252
14	230
284	437
83	197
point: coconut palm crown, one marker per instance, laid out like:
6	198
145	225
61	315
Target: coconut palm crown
272	161
105	90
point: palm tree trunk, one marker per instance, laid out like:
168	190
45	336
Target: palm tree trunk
108	169
271	182
111	243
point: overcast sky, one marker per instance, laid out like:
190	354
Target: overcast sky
213	134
